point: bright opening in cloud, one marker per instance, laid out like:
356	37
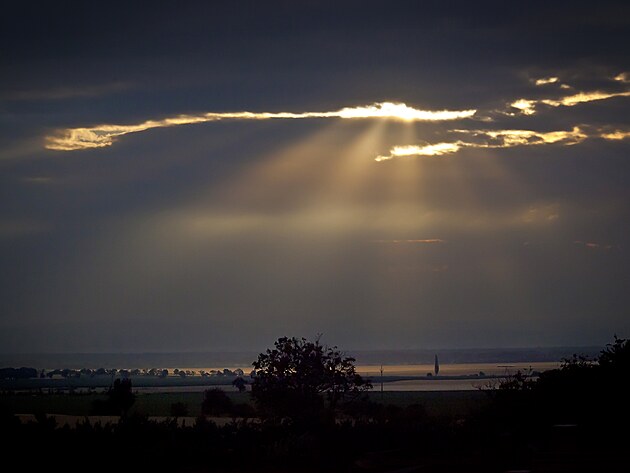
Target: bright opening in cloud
437	149
105	135
422	241
527	107
399	111
546	80
615	135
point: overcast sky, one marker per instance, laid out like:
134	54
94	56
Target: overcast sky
141	208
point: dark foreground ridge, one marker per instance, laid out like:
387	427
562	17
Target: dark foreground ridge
308	411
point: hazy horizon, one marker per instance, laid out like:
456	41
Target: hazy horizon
343	349
364	358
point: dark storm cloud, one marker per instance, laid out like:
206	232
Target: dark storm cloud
227	235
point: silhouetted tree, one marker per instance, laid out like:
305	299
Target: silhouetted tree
18	373
519	381
240	384
297	376
616	356
242	410
215	403
121	396
179	409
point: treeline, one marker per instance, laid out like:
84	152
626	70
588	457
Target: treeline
591	393
29	373
18	373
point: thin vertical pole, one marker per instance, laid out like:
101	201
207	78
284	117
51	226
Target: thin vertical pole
381	383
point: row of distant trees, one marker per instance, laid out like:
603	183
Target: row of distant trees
18	373
298	379
26	373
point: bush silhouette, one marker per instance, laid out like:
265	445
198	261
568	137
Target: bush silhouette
216	403
120	398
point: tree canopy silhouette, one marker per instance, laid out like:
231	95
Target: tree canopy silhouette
121	396
215	402
298	377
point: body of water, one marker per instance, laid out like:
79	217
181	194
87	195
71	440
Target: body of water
452	377
457	369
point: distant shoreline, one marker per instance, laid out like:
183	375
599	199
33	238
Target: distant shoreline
463	376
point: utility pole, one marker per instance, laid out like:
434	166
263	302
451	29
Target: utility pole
381	383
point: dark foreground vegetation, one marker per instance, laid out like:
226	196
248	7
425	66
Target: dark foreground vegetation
309	411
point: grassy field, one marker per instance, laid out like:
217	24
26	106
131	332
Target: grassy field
106	381
448	403
436	403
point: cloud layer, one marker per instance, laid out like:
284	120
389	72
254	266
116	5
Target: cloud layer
229	233
508	138
105	135
502	139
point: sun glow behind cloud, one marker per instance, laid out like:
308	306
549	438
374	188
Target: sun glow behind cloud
437	149
527	107
105	135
